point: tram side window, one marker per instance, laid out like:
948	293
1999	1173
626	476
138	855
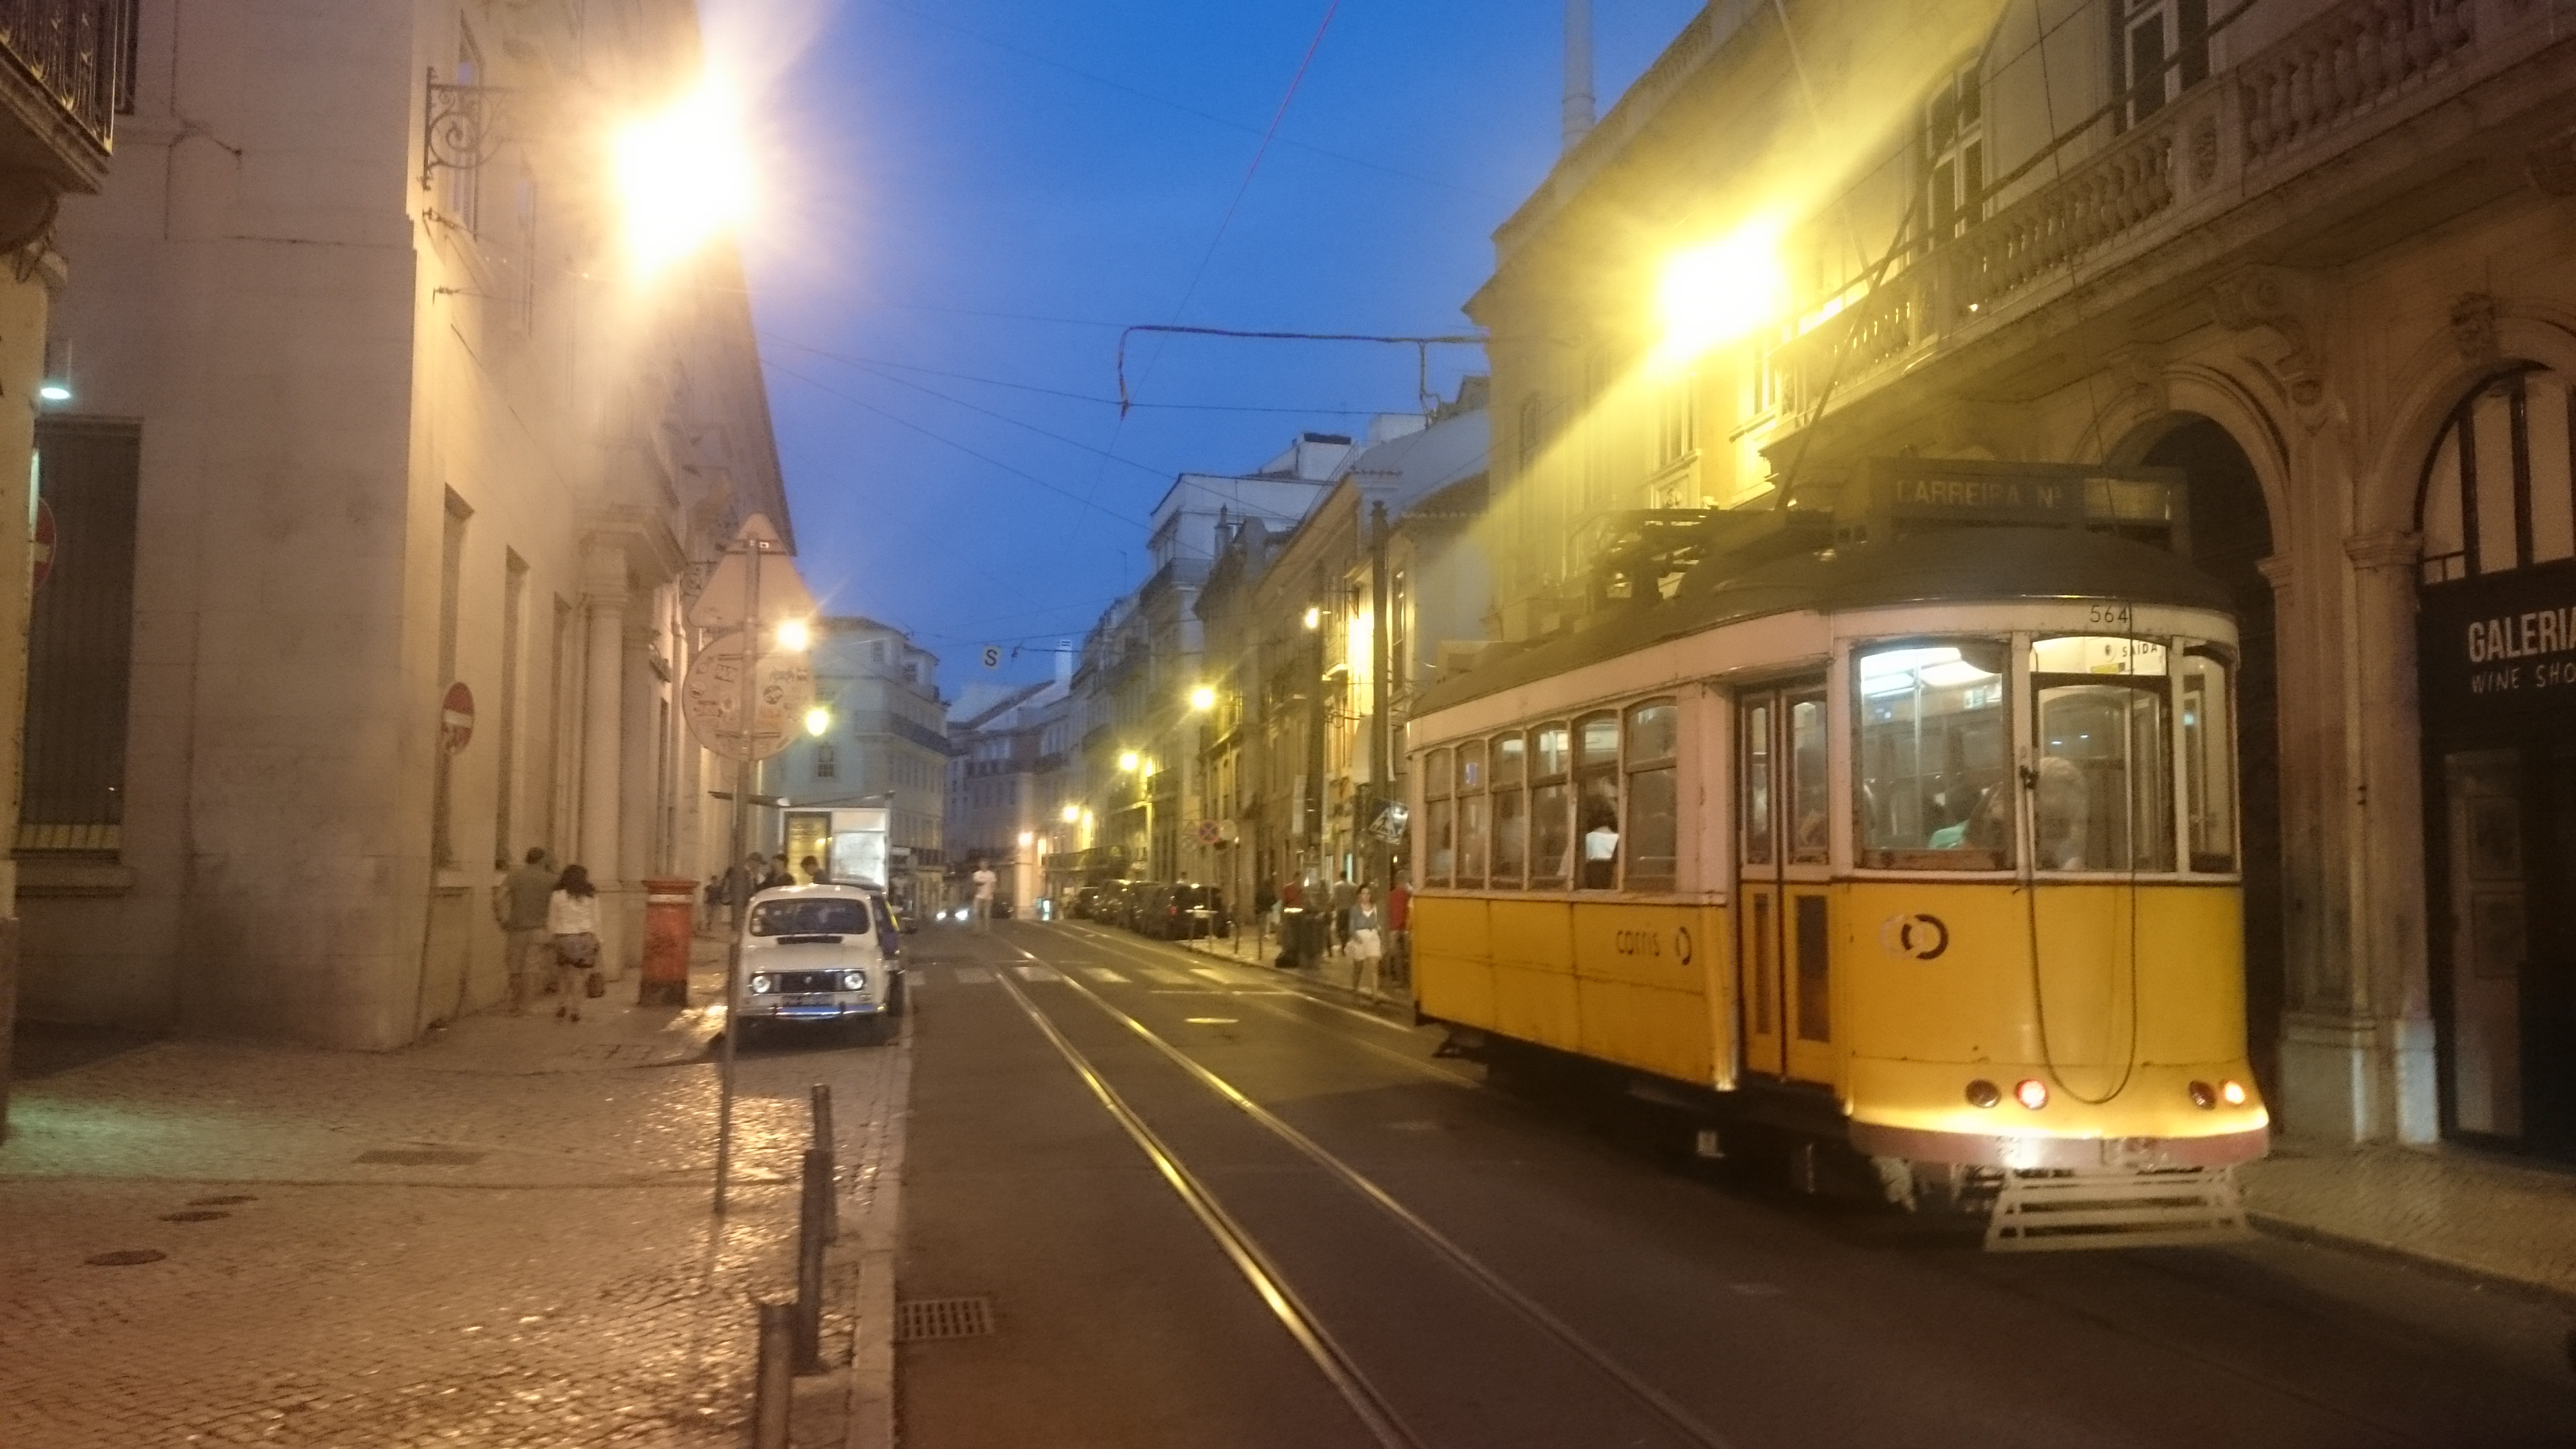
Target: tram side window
1933	768
1596	781
1509	755
1551	806
1757	784
1654	804
2208	763
1439	821
1810	836
2104	800
1471	814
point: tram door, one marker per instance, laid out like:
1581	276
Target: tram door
1784	949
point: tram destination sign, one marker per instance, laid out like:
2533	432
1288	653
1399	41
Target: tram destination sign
2505	643
1901	495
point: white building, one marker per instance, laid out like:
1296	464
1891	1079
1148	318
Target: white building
372	403
886	744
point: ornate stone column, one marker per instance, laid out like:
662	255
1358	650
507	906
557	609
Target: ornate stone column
2393	978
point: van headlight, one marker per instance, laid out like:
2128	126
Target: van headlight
760	985
854	981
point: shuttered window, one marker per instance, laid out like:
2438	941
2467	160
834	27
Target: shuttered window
80	639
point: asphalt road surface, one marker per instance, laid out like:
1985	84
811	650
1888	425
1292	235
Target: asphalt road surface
1207	1209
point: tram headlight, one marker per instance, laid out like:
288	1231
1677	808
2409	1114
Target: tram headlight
2204	1096
1982	1093
2031	1092
2232	1093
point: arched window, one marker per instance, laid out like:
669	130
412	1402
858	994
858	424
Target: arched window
2499	492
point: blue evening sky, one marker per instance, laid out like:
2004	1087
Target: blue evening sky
971	196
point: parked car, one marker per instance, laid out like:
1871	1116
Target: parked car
820	954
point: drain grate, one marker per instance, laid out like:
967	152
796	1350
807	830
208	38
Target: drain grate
918	1320
421	1157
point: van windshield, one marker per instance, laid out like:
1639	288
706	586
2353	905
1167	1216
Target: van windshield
831	917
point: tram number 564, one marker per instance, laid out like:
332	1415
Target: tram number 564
2107	616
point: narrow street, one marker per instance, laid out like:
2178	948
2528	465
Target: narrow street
1478	1268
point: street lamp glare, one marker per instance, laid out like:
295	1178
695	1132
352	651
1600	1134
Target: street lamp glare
1718	292
1073	815
818	721
795	634
683	176
1314	617
1128	760
1203	698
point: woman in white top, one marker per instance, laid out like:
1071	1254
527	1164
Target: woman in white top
572	918
1367	946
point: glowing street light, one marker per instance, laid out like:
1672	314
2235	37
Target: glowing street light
1314	617
683	176
818	721
1721	291
795	634
1073	815
1203	698
1128	760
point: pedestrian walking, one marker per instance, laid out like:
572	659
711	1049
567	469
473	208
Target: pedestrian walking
984	882
572	918
779	877
1344	895
1367	945
519	903
813	870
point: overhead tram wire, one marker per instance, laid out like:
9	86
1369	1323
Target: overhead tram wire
940	438
1015	422
1226	222
871	364
1422	349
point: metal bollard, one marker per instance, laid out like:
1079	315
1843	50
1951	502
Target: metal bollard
825	1139
815	1202
772	1385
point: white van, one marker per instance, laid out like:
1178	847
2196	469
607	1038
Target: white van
820	953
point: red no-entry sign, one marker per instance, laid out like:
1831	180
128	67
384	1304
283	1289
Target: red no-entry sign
456	717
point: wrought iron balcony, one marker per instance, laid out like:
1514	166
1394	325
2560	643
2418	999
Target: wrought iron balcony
69	58
2182	190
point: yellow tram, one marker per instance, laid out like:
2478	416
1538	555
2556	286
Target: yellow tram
1906	823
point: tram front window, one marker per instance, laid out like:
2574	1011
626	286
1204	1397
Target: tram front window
2104	797
1935	757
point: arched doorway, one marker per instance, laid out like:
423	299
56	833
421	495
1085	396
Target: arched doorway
2497	683
2231	535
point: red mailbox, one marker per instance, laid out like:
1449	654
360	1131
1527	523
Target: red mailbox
669	925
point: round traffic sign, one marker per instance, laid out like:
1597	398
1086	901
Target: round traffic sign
780	686
456	718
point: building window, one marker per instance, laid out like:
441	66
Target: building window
1954	153
2500	490
2159	49
465	182
1530	432
80	639
827	763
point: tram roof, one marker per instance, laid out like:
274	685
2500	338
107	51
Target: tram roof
1964	565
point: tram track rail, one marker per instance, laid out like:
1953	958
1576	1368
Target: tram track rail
2004	1282
1661	1406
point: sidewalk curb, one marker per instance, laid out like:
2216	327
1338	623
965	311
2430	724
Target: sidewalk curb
877	1227
2458	1270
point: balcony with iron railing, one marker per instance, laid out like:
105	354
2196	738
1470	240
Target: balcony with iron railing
2294	115
66	64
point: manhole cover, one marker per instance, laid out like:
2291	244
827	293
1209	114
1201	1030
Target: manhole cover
194	1215
420	1157
917	1320
223	1200
127	1257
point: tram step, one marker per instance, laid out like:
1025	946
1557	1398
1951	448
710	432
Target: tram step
2042	1211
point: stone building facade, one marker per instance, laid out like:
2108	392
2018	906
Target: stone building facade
383	406
885	743
2311	253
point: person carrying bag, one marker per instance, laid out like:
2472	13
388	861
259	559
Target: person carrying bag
572	919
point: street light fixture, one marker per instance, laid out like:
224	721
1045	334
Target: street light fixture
1314	616
684	176
1128	761
795	634
818	721
1203	698
1073	815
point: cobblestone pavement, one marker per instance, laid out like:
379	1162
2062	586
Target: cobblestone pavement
500	1237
